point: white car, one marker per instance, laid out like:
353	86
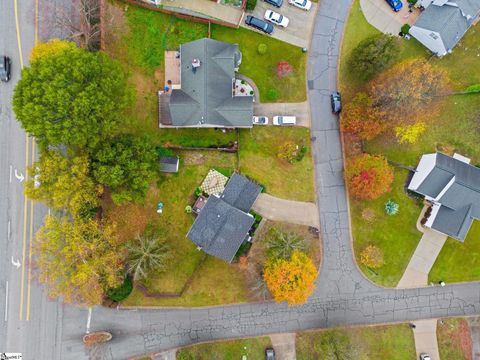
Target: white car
302	4
260	120
276	18
284	120
424	356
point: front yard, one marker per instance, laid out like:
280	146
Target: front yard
454	339
253	348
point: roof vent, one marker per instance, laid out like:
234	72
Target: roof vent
195	64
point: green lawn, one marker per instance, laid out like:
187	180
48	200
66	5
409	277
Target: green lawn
259	160
253	348
393	342
454	341
262	68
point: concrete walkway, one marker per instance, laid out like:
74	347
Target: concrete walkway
380	15
300	110
284	346
296	212
425	334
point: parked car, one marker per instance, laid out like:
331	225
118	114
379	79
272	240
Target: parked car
285	120
260	120
302	4
277	3
5	68
336	101
276	18
269	354
424	356
396	5
259	24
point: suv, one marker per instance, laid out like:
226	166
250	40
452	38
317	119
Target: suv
259	24
269	354
277	3
336	102
5	68
396	5
284	120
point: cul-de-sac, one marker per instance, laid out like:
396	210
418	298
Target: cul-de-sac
240	179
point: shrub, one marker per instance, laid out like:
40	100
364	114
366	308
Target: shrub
251	4
391	208
372	257
405	29
163	151
188	209
262	49
284	69
409	133
281	244
273	94
473	89
288	151
198	192
121	293
251	92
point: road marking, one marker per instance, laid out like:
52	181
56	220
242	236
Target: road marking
8	230
6	301
10	177
29	282
18	33
15	263
19	177
89	319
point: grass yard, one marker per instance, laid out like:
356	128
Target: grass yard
394	342
253	349
258	159
262	69
454	341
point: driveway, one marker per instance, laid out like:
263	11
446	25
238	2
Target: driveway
425	334
380	15
299	28
300	110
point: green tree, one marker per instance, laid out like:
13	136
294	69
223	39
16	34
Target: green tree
126	165
282	244
63	183
374	54
70	97
79	260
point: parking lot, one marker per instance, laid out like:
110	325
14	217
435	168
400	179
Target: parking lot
299	28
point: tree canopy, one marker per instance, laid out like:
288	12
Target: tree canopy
70	96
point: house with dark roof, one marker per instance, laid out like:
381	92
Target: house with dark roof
205	96
223	223
444	22
452	186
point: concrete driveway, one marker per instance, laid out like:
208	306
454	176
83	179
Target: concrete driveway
298	30
380	15
300	110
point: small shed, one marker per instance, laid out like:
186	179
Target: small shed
169	164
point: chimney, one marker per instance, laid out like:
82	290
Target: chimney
195	64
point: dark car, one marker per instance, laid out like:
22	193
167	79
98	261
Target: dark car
269	354
396	5
259	24
336	101
5	68
277	3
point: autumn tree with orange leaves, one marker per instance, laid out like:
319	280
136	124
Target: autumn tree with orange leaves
369	176
291	280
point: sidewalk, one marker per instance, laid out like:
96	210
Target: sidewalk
425	334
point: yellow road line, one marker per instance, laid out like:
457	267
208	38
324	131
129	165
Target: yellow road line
30	245
18	33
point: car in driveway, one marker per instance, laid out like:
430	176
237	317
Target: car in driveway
396	5
276	18
285	120
269	354
259	24
260	120
277	3
301	4
336	102
5	68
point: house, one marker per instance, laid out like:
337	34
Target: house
223	223
452	186
444	22
169	164
205	96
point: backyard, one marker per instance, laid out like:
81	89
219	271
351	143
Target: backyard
454	128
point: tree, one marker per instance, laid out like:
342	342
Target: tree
369	176
374	54
63	183
147	253
409	133
360	117
79	260
71	97
372	257
290	280
126	165
281	244
51	48
405	90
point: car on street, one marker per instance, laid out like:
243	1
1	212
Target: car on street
424	356
396	5
302	4
259	24
277	3
5	68
284	120
276	18
269	354
260	120
336	102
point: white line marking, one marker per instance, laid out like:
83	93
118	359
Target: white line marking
16	263
19	177
8	230
6	301
89	319
10	178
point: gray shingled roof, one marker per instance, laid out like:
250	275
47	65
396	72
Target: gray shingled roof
241	192
205	98
169	164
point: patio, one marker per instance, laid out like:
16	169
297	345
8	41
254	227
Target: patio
214	183
172	69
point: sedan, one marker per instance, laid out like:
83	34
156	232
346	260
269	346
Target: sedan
276	18
260	120
396	5
259	24
336	102
5	68
302	4
269	354
277	3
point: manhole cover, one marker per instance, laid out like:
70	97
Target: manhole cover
310	84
